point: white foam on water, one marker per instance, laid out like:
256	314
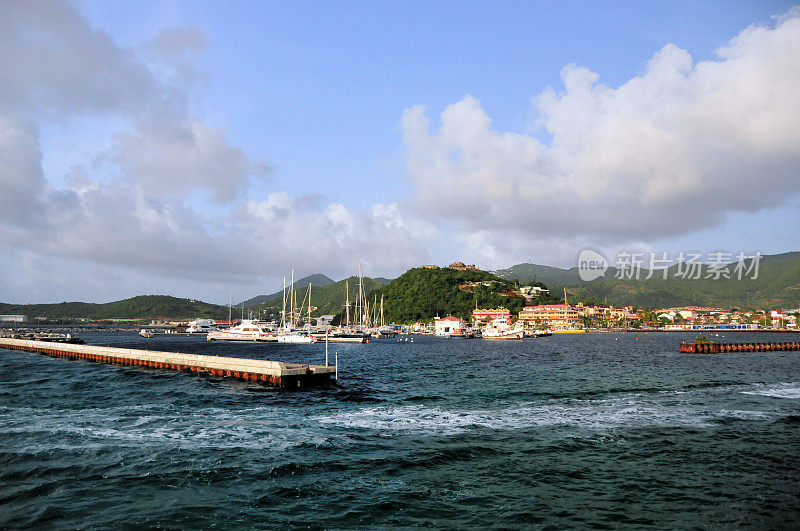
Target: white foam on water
597	415
783	390
205	428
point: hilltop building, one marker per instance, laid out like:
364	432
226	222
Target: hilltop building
460	266
532	292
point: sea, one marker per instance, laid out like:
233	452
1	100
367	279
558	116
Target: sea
598	430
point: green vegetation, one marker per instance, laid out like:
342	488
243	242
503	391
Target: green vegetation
421	294
777	286
328	299
141	307
317	281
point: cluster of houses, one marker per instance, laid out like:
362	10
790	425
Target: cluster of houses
550	316
579	316
698	317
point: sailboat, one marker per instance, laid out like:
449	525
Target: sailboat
346	333
385	330
288	333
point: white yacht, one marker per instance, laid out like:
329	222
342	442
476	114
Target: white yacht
200	326
295	337
247	330
500	328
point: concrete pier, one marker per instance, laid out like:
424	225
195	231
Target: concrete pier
697	347
276	373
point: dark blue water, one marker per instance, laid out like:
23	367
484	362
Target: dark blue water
591	430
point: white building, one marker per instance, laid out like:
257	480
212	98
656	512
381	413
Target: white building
447	325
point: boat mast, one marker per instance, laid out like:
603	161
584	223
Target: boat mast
283	310
291	302
381	311
360	304
309	307
347	301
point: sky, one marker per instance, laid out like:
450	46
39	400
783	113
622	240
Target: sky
207	149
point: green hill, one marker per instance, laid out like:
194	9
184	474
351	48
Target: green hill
552	276
317	281
141	307
777	286
328	299
422	293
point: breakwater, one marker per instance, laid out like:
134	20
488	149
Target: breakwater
276	373
698	347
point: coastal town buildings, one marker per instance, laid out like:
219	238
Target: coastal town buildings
550	314
482	316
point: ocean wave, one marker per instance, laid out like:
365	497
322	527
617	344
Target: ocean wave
782	390
593	415
203	428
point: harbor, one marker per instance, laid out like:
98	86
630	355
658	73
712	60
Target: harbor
274	373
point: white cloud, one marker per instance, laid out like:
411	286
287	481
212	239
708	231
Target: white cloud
172	156
53	61
22	182
123	208
671	150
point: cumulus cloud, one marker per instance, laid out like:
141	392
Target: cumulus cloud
172	156
72	71
334	236
53	61
670	151
22	181
124	208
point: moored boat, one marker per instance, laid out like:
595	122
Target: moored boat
200	326
342	336
247	330
500	328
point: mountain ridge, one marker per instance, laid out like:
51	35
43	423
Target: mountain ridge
777	285
316	280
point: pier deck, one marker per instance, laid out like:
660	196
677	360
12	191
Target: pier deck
276	373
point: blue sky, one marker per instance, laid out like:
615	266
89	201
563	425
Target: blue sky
230	142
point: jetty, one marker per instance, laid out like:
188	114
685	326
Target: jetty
274	373
707	347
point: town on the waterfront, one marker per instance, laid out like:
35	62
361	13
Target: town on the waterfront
520	310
